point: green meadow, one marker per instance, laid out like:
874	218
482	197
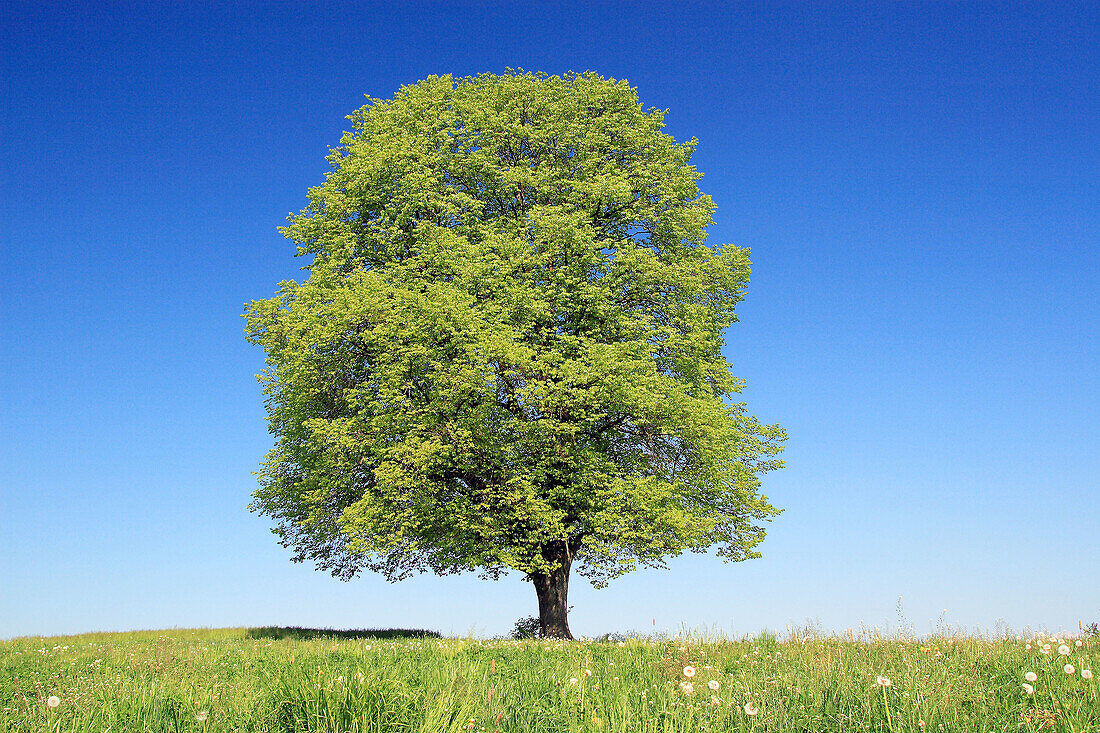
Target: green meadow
302	680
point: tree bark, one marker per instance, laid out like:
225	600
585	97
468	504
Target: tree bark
553	591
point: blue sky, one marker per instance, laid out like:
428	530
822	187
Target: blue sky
919	185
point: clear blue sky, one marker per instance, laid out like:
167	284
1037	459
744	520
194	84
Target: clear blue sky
919	185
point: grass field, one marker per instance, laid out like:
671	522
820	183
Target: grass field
283	680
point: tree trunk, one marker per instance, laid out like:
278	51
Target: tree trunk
553	591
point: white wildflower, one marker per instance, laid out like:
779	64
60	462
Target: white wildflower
53	701
689	671
1068	669
1030	676
750	710
883	681
714	684
1028	688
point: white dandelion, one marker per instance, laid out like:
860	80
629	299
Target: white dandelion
714	684
1086	674
1077	643
686	687
1063	650
53	701
749	709
1028	688
689	671
883	681
201	717
1030	676
1068	669
572	680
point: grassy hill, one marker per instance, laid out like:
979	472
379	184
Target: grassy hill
279	679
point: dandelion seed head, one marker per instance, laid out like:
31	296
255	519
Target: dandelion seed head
1086	674
53	701
1028	688
201	717
689	671
883	681
1030	676
714	684
1063	650
750	710
686	687
1068	669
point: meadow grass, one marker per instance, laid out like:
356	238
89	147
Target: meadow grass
303	680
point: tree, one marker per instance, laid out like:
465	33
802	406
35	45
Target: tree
507	354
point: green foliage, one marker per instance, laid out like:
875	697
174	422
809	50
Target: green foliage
526	628
297	632
230	680
509	340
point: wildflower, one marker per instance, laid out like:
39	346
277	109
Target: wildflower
1077	643
883	681
1030	676
714	684
1028	688
587	673
572	680
1086	674
1063	650
53	701
1045	649
1068	669
750	710
689	671
1027	646
686	687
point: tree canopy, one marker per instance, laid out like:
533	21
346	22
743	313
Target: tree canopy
508	351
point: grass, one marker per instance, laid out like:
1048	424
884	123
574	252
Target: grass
371	680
